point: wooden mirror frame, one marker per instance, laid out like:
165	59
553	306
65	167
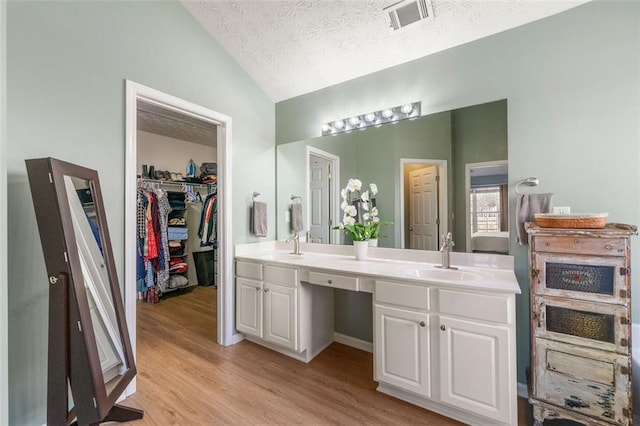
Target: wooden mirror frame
73	353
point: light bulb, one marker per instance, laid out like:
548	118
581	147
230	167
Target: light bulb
354	121
326	127
371	117
387	113
338	124
406	109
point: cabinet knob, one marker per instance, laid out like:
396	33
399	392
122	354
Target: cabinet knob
608	246
422	323
266	290
330	281
257	288
442	327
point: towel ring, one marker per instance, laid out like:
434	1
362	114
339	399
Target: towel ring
531	181
254	195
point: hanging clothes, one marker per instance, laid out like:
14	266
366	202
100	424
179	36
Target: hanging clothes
208	222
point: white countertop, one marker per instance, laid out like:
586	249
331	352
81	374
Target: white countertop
497	276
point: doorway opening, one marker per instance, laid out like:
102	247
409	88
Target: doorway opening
423	191
487	207
159	102
323	180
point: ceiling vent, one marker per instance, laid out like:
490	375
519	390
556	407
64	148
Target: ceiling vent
406	12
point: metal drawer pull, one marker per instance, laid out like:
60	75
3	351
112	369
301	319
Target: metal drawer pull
257	288
266	290
608	246
330	281
442	327
422	324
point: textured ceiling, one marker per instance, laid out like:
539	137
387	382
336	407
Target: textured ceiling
165	122
292	47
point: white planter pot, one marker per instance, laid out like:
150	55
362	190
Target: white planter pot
373	242
361	248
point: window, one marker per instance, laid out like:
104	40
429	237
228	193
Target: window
485	209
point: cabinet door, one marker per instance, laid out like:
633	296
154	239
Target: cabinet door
249	306
474	374
281	320
402	349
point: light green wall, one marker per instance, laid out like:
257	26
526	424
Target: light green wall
572	84
4	351
479	134
67	64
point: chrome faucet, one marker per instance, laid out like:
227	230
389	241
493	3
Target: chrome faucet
296	243
447	245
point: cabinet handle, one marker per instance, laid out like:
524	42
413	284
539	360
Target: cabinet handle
422	323
442	327
608	246
257	288
330	281
266	290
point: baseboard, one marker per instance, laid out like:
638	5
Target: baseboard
523	390
363	345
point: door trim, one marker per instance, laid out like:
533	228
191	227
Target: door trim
443	194
4	287
334	235
134	92
467	189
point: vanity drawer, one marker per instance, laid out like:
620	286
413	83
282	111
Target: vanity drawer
581	245
249	270
282	276
473	305
332	280
407	295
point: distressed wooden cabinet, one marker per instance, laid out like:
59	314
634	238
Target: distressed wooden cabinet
581	324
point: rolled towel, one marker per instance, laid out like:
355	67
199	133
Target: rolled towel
526	207
296	217
259	218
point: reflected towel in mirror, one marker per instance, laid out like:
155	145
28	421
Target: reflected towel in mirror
296	217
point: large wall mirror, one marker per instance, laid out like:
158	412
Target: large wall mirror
438	173
89	346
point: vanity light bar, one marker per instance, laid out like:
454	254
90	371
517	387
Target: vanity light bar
376	118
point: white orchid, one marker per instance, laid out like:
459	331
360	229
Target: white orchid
365	206
340	226
364	196
374	188
375	219
343	205
344	194
351	211
348	220
374	211
365	216
354	185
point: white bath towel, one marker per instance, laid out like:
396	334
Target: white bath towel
527	206
296	217
259	218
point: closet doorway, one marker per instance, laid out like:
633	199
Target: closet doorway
148	111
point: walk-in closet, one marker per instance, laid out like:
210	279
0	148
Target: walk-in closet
177	205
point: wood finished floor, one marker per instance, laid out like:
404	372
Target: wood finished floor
185	378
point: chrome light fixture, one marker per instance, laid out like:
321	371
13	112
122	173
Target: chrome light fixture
375	118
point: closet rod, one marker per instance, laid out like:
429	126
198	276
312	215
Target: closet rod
180	184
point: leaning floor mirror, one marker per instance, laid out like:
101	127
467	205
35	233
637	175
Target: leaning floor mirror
89	347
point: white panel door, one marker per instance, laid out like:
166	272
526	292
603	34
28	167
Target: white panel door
402	349
249	306
319	202
423	208
281	322
474	362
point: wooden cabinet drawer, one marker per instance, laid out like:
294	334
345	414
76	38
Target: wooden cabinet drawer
581	245
249	270
407	295
477	306
282	276
333	280
586	381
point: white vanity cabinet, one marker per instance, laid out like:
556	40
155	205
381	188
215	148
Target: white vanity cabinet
267	303
402	340
452	350
275	309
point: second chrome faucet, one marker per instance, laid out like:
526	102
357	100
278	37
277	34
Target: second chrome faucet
447	245
296	243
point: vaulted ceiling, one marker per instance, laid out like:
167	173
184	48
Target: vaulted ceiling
293	47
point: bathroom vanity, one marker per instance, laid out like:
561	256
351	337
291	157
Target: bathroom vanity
444	339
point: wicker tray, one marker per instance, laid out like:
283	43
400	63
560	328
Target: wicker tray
577	221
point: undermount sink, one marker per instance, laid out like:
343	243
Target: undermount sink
447	274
